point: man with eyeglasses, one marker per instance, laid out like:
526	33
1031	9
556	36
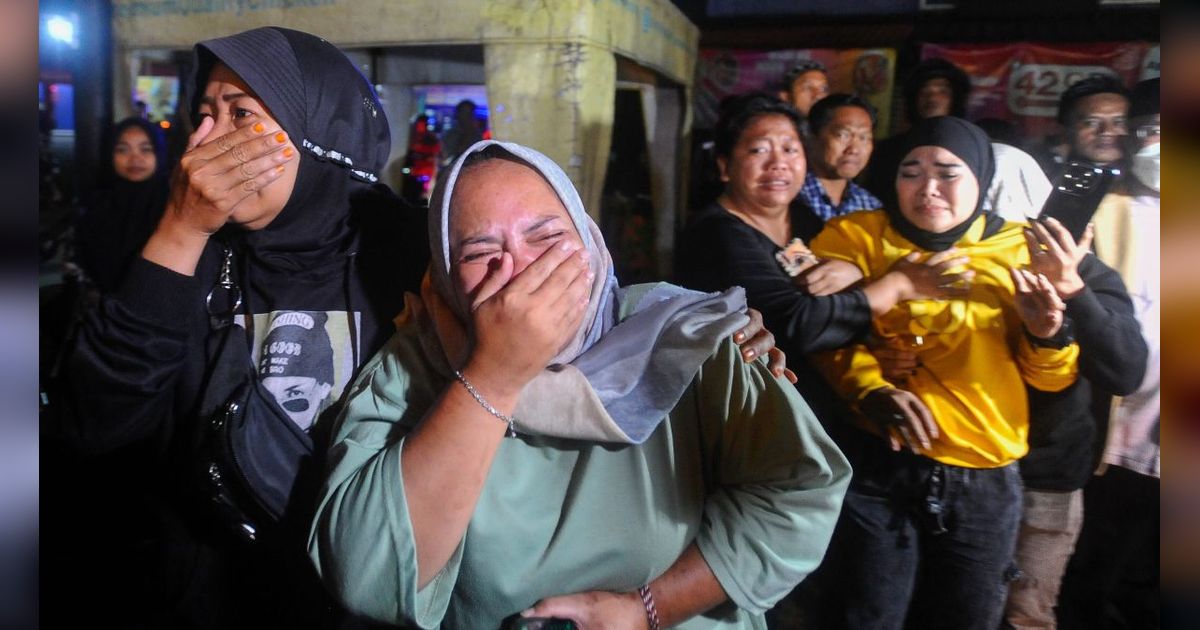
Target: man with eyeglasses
838	149
1094	113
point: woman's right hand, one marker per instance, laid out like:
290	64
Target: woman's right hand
901	413
930	279
209	183
521	321
213	177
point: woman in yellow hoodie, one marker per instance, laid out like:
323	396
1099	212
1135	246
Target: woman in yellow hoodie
928	528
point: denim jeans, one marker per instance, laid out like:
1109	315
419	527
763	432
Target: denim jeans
921	544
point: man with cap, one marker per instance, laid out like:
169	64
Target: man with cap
1115	567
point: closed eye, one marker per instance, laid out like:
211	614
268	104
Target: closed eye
550	237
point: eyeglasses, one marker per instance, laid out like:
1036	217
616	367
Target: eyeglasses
1118	125
1147	132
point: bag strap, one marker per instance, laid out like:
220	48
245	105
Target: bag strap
227	346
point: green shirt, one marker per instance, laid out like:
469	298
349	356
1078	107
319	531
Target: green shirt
741	467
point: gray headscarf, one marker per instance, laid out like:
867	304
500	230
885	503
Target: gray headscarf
618	378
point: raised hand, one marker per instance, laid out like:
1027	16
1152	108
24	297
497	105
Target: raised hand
216	174
521	321
1054	254
1038	304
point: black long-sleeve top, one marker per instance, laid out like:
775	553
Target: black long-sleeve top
1063	427
717	250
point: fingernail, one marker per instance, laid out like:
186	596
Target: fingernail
288	152
739	337
591	276
279	169
259	127
526	612
280	137
748	353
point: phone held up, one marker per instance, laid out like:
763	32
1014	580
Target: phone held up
1077	194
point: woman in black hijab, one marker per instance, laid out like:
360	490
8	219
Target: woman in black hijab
275	221
927	530
128	204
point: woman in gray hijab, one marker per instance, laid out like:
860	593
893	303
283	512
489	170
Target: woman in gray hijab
649	477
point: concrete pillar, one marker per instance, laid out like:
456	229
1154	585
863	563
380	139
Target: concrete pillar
556	97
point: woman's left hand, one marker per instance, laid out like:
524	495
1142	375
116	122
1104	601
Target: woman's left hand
1053	253
1038	304
829	277
594	609
755	340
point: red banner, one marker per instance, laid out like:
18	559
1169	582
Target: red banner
1023	82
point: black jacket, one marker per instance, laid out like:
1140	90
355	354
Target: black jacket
1063	430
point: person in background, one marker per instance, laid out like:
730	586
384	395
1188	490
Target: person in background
1062	427
935	87
838	148
464	133
128	206
805	84
1112	580
926	534
1094	112
1020	188
538	441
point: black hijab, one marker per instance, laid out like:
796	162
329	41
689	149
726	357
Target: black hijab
334	118
122	214
343	241
973	147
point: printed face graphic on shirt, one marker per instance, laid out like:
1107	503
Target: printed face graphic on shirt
296	364
301	397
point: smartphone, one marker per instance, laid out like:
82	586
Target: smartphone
540	623
1077	194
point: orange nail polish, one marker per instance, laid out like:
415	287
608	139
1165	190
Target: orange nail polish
258	127
279	169
288	152
280	137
